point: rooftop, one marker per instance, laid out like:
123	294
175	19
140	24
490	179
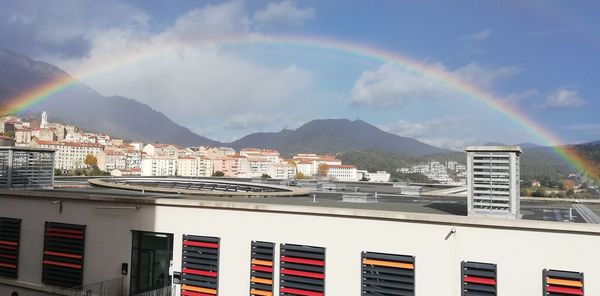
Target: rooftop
451	209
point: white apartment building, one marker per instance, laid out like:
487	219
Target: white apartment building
111	160
315	162
23	136
159	166
493	187
190	166
258	167
282	171
342	172
68	155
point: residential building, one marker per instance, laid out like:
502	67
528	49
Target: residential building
493	184
168	150
342	172
69	155
23	136
194	166
111	160
267	155
232	166
160	166
282	170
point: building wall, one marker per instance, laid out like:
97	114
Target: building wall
520	253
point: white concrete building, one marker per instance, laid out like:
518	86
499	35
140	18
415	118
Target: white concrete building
342	172
68	155
350	250
282	171
159	166
493	185
111	160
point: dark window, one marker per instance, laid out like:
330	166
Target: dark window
151	256
200	265
387	274
478	278
563	283
64	246
10	232
261	268
302	270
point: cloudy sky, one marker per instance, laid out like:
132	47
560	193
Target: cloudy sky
205	64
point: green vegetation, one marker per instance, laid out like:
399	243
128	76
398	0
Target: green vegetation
218	174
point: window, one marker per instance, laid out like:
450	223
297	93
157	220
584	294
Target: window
387	274
558	282
200	265
302	270
478	278
261	268
10	232
64	246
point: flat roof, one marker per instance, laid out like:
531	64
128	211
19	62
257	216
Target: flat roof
493	149
541	215
20	148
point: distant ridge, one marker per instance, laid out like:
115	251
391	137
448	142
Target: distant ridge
336	135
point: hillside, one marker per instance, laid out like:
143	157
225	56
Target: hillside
336	135
82	106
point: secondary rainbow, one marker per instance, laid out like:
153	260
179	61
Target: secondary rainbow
137	55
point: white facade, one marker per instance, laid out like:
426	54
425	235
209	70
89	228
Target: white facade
493	186
69	155
111	160
342	172
282	171
160	166
438	256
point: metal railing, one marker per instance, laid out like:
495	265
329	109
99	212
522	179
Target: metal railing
166	291
112	287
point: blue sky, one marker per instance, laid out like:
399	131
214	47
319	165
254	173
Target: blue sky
538	56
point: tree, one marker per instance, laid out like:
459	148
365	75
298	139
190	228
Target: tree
91	161
218	174
322	171
299	175
265	176
539	193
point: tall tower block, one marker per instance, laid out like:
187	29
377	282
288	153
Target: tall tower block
493	182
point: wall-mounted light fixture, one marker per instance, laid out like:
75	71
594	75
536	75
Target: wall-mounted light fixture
60	205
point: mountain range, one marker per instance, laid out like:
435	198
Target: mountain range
129	119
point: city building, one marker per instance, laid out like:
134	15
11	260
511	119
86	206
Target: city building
106	238
232	166
159	166
169	150
69	155
111	160
342	173
266	155
282	171
379	176
493	186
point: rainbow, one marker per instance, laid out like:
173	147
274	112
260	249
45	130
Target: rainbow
570	155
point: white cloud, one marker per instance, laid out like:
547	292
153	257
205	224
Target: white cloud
391	87
478	36
285	12
518	97
181	73
485	75
564	98
211	20
435	131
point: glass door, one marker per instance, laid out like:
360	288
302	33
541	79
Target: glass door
151	257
